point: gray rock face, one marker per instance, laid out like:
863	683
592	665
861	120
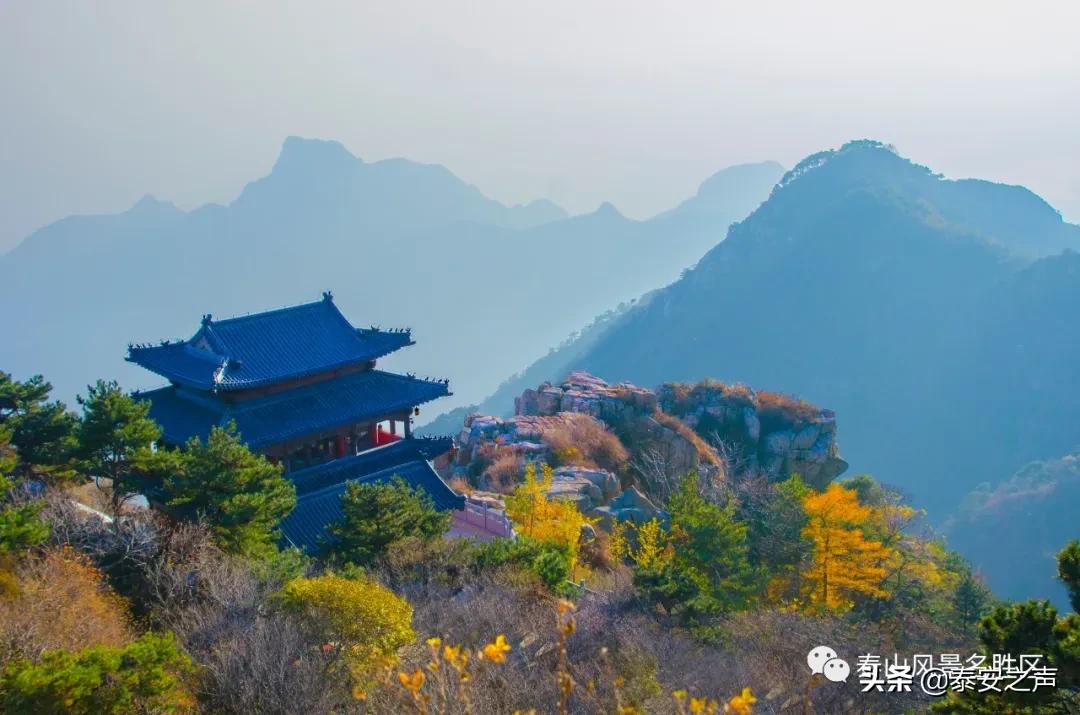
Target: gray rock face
603	480
575	488
770	433
585	393
632	506
523	435
760	432
752	424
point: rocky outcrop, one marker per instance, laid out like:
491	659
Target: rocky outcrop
588	394
486	441
661	435
632	412
766	432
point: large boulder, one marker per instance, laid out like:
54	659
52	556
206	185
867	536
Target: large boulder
605	481
576	488
632	506
587	394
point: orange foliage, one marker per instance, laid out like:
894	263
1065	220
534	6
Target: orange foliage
62	602
846	562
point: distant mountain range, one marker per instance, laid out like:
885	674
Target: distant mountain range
938	318
485	287
1013	530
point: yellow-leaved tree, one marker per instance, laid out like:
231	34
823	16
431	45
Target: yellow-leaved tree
366	620
542	518
654	550
916	566
847	562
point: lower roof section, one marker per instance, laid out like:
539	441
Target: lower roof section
313	479
319	489
184	413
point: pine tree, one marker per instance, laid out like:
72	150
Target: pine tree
116	438
240	493
20	526
776	540
374	516
710	546
1068	560
42	432
846	562
971	599
698	567
143	677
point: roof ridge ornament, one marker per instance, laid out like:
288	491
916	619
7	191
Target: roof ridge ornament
207	317
328	296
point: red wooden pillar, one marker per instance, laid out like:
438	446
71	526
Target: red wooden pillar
339	445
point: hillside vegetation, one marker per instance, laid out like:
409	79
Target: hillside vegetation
708	604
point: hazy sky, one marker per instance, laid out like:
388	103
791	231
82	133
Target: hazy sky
577	101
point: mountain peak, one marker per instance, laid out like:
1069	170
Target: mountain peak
733	177
727	195
859	157
607	209
303	154
149	204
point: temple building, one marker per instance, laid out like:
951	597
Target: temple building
301	384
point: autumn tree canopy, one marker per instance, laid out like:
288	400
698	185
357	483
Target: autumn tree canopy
846	562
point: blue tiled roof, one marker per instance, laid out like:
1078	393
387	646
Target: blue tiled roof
305	526
264	348
291	414
312	479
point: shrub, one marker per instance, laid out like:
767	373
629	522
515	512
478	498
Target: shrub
266	664
705	452
550	562
504	471
62	602
364	620
145	676
543	519
583	440
777	408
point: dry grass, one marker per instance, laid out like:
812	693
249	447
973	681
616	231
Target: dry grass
594	443
705	451
504	472
787	408
61	602
615	642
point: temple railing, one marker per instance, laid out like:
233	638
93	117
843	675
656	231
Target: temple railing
493	521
